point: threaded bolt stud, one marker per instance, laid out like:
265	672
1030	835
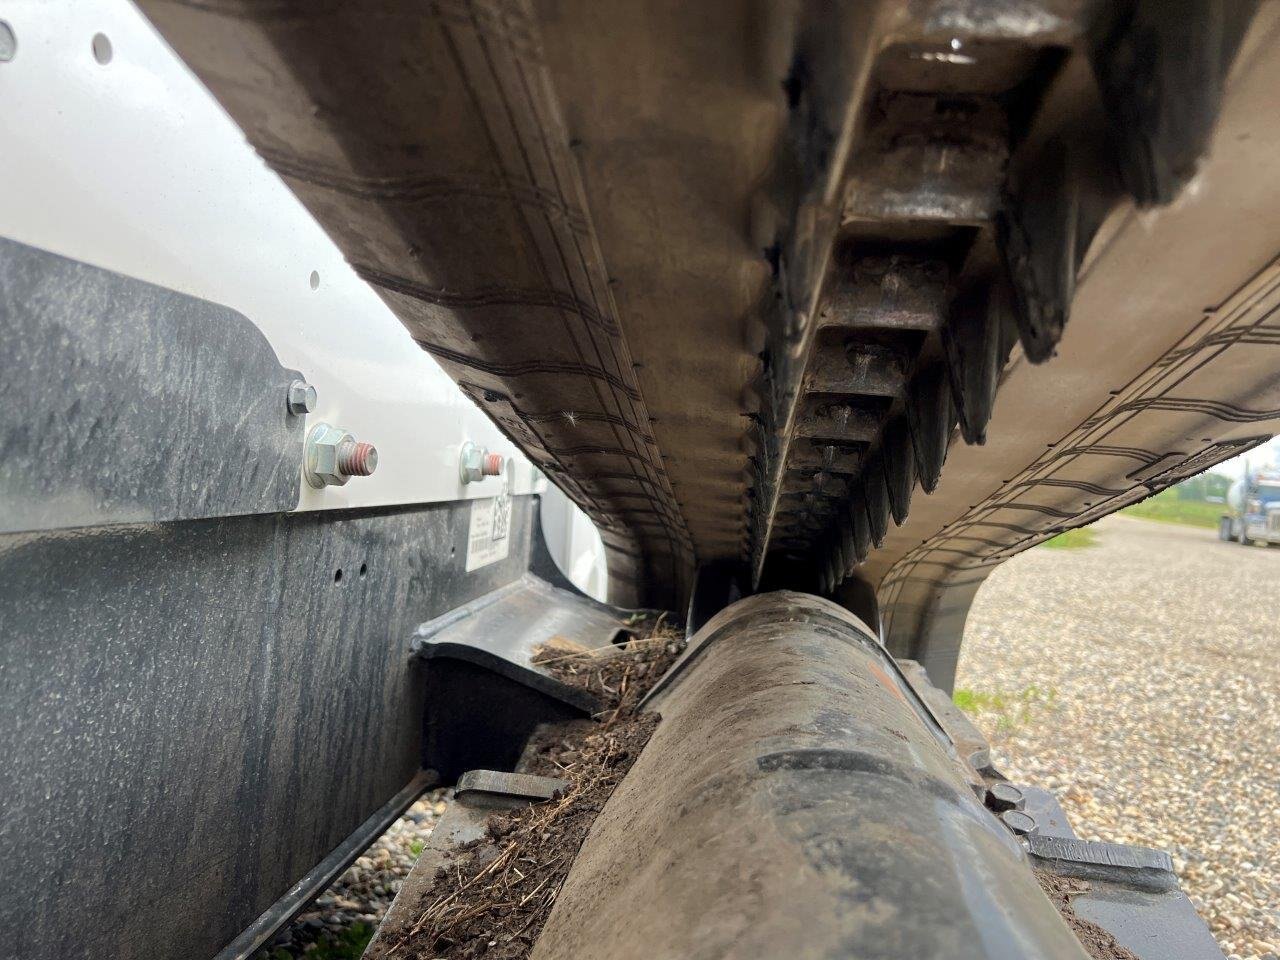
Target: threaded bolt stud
332	456
356	458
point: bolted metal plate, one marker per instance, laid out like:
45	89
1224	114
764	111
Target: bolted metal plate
204	718
124	402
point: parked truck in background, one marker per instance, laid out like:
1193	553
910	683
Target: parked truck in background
1253	509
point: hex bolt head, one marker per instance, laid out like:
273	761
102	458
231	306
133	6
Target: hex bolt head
333	456
476	463
1019	823
302	398
1005	796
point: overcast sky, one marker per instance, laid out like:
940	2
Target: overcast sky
1267	455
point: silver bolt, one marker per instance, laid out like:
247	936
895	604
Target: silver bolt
475	463
302	398
333	457
1022	824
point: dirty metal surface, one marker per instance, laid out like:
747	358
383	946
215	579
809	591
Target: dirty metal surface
199	713
969	741
485	694
1160	925
741	277
500	788
793	802
465	820
124	402
1135	866
513	621
1130	892
1165	368
442	167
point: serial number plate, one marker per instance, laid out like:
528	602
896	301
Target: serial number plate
487	540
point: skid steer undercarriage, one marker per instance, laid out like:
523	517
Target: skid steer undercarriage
819	311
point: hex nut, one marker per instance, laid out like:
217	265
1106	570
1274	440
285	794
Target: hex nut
333	456
1005	796
322	455
475	463
302	398
1022	824
469	467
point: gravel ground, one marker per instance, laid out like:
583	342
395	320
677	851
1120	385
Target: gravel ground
1140	680
342	918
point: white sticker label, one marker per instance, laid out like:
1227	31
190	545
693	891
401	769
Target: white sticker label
487	540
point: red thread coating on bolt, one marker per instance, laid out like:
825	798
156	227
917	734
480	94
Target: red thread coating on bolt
357	459
492	465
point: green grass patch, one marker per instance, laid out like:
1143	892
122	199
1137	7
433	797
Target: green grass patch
1165	507
415	848
348	945
1076	539
976	701
1005	711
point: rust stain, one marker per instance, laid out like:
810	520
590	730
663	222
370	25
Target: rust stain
886	681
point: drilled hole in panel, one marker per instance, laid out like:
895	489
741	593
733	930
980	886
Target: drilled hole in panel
101	48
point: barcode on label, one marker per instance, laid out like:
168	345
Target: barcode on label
487	539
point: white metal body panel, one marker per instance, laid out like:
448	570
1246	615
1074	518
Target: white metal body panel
132	166
575	545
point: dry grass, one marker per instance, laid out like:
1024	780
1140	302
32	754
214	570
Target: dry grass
495	896
620	676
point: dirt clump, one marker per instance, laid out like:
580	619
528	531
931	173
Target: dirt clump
1098	942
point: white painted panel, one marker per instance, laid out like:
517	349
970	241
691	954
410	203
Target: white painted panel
574	544
132	166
